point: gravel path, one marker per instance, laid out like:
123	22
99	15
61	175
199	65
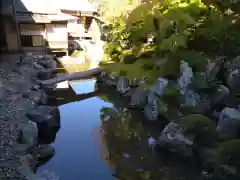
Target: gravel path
16	83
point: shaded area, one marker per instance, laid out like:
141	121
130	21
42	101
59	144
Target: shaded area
122	140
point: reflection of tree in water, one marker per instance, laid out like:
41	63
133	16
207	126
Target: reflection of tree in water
127	144
126	137
128	150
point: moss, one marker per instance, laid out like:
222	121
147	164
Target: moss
146	54
171	92
128	59
202	127
229	153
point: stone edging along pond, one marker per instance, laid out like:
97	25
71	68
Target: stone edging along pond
203	125
27	123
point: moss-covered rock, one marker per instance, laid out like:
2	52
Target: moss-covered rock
202	127
229	153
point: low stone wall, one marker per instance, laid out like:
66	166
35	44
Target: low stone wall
27	123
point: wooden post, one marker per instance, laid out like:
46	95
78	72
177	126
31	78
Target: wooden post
17	28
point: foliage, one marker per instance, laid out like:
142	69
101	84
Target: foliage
181	29
202	127
229	153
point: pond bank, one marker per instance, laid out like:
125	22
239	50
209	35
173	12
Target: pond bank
201	111
25	116
90	146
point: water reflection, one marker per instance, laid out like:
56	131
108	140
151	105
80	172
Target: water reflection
100	139
133	159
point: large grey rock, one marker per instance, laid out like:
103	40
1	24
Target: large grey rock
233	74
48	121
189	99
122	85
26	166
151	112
151	97
37	66
108	79
25	105
160	86
38	97
185	78
46	74
173	140
229	123
213	68
151	109
139	99
28	134
220	93
50	64
195	102
43	153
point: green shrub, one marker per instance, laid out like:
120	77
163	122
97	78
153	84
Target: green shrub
229	153
202	127
171	92
127	57
112	48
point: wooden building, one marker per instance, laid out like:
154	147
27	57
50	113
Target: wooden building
86	24
31	26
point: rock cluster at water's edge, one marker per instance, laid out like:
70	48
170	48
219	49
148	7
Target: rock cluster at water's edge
25	118
211	97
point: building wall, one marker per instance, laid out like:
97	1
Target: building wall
33	37
11	37
57	37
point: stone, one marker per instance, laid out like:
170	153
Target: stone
43	153
26	166
160	86
122	85
46	175
130	93
173	140
220	93
213	68
195	102
111	82
229	123
50	64
151	142
48	121
28	134
37	66
38	97
45	74
35	87
139	99
189	99
233	74
151	112
186	77
25	105
151	97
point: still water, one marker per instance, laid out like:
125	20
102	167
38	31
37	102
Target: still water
89	147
